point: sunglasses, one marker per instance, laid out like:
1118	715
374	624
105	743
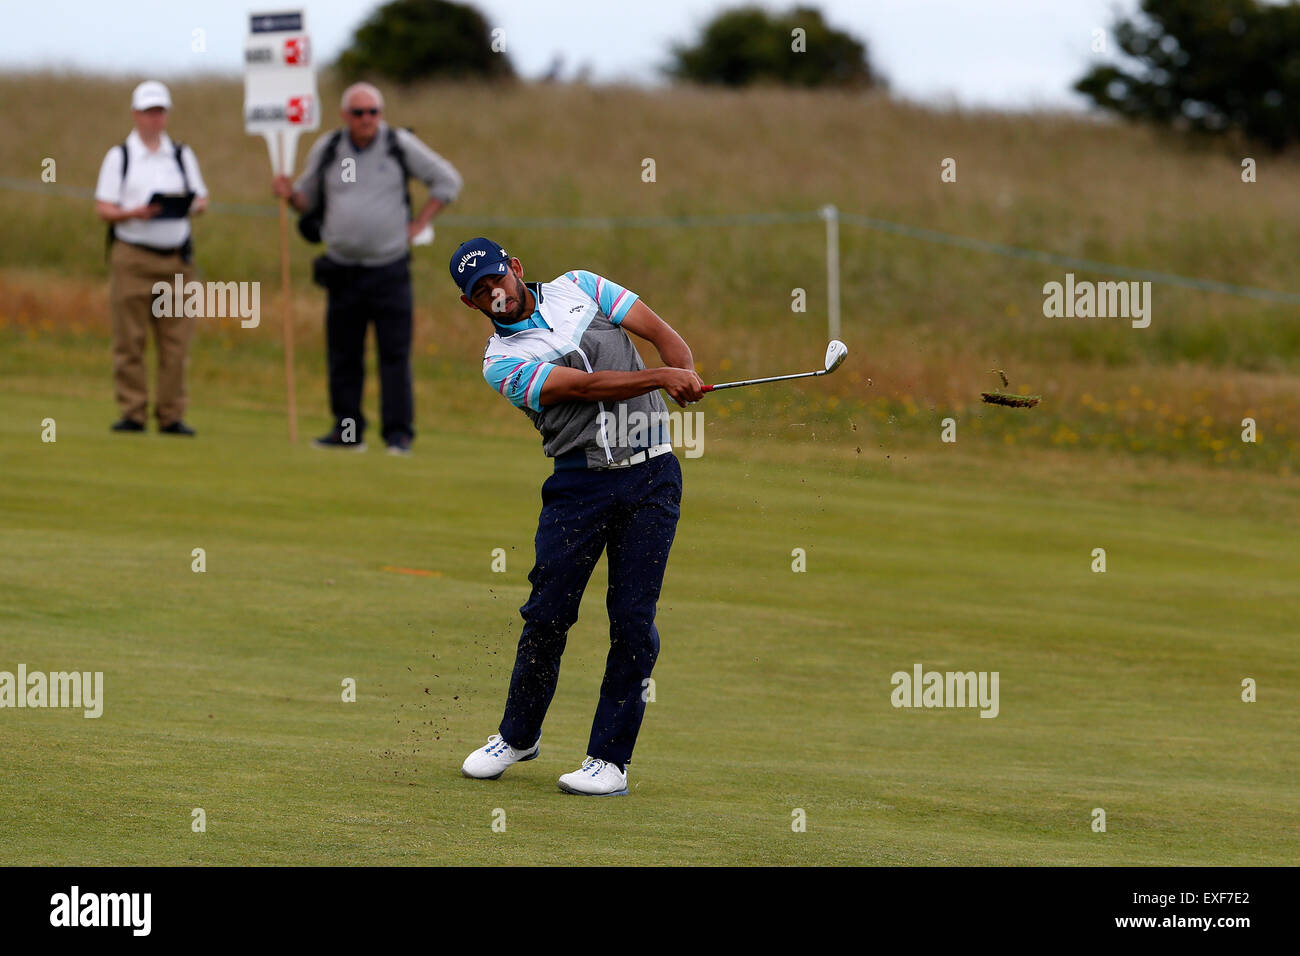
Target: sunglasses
371	111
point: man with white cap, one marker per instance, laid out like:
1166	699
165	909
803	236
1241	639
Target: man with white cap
149	242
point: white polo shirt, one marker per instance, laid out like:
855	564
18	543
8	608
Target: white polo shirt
148	172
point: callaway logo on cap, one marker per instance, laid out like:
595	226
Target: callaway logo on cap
477	258
470	259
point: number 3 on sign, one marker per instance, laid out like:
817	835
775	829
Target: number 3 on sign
295	51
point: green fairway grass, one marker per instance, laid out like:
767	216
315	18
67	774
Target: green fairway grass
223	689
1119	690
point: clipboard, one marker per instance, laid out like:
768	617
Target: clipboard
174	205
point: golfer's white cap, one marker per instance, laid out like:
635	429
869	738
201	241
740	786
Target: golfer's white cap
149	94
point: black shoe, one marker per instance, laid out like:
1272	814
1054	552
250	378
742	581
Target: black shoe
399	445
177	428
335	440
127	425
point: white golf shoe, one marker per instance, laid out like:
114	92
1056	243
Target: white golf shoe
595	778
490	762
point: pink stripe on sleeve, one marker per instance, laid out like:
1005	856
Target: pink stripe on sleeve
505	382
536	372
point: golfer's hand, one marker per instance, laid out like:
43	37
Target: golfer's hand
282	186
199	205
683	385
144	212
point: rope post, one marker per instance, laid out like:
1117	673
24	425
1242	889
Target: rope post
832	217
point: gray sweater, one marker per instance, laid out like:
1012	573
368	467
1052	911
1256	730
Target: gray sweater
366	215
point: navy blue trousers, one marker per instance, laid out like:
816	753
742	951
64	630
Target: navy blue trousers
358	296
630	513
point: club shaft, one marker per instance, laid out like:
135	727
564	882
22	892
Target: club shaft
760	381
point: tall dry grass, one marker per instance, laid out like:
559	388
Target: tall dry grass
926	322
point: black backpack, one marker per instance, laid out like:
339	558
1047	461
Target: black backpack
310	222
187	250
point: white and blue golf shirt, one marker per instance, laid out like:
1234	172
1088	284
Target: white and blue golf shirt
576	325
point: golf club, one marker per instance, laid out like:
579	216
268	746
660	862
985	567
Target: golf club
835	354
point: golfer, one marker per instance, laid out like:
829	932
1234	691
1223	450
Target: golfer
561	352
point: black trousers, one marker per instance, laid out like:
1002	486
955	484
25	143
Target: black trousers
358	296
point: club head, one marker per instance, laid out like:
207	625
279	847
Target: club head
835	354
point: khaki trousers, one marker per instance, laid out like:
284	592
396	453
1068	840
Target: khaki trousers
132	274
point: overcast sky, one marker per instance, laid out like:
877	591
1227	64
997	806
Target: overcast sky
1002	53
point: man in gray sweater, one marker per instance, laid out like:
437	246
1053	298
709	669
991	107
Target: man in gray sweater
359	175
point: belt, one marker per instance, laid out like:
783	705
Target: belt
652	452
577	460
157	250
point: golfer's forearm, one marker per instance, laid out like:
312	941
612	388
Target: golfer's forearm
672	348
602	386
675	352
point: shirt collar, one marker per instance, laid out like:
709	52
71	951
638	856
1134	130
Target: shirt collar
534	321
